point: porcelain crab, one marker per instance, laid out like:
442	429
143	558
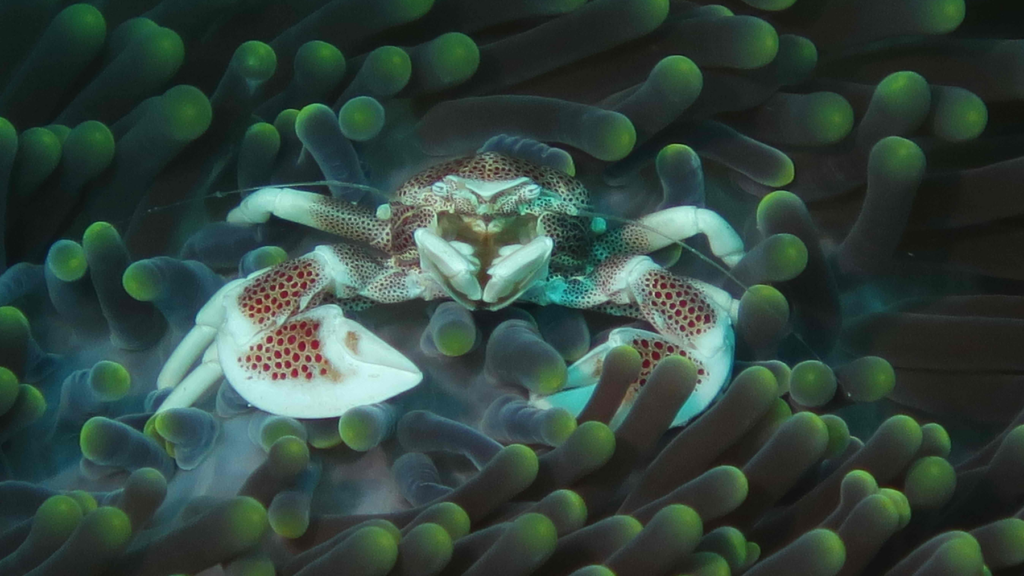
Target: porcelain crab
485	231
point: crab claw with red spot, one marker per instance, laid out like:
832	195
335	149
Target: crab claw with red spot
692	319
713	372
285	347
316	365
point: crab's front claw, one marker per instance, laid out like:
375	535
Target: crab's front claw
455	270
517	268
713	371
317	364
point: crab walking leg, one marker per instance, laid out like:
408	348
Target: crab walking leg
659	229
198	340
196	384
337	217
692	319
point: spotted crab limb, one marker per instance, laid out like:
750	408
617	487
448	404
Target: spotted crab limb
515	272
665	227
678	307
317	364
316	211
456	271
329	274
713	371
691	318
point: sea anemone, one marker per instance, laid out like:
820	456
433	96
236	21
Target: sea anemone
868	153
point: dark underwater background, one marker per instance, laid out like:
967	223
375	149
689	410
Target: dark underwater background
869	152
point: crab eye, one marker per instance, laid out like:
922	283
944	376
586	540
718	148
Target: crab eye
549	193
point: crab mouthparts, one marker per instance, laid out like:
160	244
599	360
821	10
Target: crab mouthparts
454	266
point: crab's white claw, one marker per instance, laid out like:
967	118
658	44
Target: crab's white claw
692	319
282	353
587	370
572	399
714	366
674	224
450	267
514	273
318	364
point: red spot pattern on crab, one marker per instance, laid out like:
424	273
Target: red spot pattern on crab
681	305
652	350
278	293
293	351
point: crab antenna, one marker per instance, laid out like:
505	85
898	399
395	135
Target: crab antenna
227	193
